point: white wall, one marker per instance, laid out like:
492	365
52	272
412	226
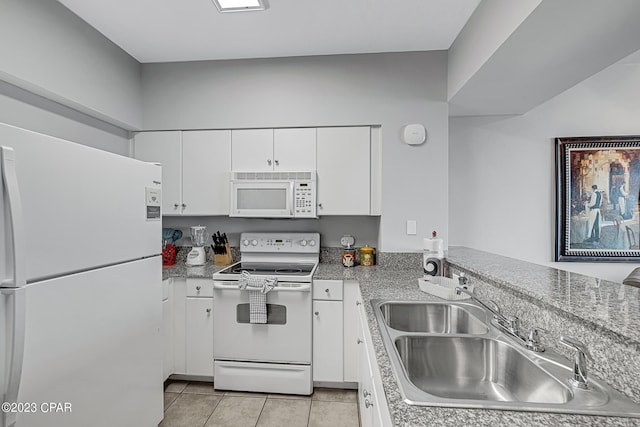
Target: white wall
490	25
390	90
47	50
502	184
28	111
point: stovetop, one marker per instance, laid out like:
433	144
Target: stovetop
290	257
269	268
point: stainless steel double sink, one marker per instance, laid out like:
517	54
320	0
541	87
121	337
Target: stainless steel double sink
449	354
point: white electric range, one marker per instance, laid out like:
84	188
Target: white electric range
272	357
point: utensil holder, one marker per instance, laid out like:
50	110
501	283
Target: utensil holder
225	258
169	255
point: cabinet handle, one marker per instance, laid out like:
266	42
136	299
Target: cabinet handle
358	302
365	393
277	163
269	162
184	206
175	205
198	288
359	341
320	205
367	404
316	313
208	310
327	290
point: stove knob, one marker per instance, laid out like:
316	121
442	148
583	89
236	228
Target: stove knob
312	242
245	242
254	242
303	243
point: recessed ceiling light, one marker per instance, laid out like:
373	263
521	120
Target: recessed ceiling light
240	5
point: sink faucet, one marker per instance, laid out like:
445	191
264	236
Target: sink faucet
510	325
495	310
579	379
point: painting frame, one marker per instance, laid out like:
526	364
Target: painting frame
597	192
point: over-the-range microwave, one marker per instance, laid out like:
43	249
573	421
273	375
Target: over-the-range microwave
273	194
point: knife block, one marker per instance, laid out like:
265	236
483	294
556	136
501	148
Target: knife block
225	258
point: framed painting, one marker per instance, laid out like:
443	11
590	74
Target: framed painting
597	189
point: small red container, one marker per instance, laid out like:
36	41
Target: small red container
169	255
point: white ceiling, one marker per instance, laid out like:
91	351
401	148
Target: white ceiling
189	30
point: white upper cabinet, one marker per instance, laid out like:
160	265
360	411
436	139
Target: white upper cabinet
164	148
294	149
195	169
260	150
196	165
206	163
344	170
252	150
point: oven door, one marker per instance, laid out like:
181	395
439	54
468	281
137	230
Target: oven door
261	199
285	338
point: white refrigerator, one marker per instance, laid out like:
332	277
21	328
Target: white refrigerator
80	285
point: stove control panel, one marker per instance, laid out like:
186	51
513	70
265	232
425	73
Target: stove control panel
280	242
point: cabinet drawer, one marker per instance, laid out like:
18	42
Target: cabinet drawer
327	290
199	288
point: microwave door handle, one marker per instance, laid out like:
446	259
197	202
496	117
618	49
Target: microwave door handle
292	199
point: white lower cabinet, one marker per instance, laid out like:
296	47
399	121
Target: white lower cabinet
199	336
327	341
167	327
327	331
193	327
371	397
199	327
351	302
343	349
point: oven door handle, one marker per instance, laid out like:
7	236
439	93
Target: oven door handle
289	287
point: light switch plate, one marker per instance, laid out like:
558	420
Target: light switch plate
412	227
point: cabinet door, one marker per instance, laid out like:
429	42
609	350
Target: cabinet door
252	150
352	302
343	164
294	149
164	148
167	332
206	164
327	341
179	306
365	380
199	336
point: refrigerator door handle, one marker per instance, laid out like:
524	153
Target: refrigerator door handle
16	354
16	291
14	203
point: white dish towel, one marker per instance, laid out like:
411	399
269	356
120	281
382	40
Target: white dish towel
258	287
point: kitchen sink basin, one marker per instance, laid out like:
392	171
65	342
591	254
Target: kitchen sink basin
476	368
448	354
435	318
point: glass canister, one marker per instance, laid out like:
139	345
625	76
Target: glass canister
367	256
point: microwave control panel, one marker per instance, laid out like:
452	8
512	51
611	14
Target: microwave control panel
304	200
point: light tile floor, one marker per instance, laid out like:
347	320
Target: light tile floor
198	404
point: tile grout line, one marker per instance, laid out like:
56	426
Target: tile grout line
261	410
214	409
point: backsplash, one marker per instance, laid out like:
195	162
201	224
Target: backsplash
331	228
390	260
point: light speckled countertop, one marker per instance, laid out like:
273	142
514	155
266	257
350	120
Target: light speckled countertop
609	308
